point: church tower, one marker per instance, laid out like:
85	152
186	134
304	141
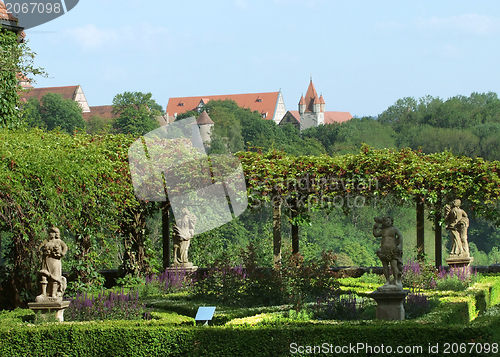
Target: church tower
311	108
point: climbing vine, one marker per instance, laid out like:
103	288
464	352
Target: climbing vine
15	59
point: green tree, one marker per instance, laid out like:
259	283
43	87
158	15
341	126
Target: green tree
54	111
16	58
137	113
97	124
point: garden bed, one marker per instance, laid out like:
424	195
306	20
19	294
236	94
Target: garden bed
468	319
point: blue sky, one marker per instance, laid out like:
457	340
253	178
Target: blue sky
363	55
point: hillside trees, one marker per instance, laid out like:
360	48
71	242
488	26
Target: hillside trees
348	137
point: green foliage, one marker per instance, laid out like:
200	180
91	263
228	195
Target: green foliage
337	306
292	283
372	278
78	183
347	137
373	173
454	282
419	275
137	113
17	58
54	111
175	335
99	125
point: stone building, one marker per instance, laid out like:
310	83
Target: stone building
312	112
205	124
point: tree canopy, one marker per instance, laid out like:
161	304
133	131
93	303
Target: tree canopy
53	111
137	112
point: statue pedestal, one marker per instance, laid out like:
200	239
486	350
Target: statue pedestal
186	270
459	262
47	308
390	304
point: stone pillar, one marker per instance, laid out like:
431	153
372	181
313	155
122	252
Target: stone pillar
438	240
420	227
295	230
48	308
277	233
390	304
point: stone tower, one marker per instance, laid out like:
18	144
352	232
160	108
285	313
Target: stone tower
205	124
311	108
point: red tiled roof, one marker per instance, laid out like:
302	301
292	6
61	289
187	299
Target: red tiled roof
295	114
330	117
337	117
261	102
67	92
104	111
6	16
311	95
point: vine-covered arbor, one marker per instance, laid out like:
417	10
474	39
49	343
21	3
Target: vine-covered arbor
83	184
322	181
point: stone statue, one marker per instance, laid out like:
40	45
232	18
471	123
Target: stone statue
457	222
183	232
390	251
51	281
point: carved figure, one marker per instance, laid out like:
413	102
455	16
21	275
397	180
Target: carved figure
390	251
183	232
457	223
52	283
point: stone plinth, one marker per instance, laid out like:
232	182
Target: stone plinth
459	262
47	308
390	304
187	271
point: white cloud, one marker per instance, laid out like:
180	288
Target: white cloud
144	36
89	36
469	23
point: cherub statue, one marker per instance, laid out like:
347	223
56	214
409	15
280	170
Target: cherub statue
390	251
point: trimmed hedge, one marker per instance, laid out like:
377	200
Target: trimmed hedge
153	339
446	324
